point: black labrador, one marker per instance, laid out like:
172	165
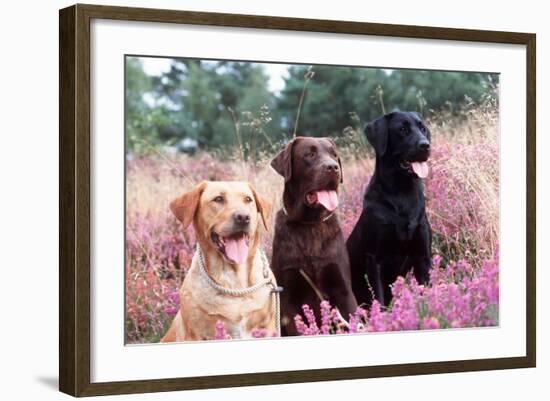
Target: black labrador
392	235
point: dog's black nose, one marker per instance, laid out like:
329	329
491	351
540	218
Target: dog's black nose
424	145
332	167
241	218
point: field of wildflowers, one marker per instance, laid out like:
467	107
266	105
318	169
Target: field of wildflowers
462	195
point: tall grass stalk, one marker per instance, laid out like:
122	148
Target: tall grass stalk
308	77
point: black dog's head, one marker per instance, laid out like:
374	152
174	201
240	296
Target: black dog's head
401	139
312	171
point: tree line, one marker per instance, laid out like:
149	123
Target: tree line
225	103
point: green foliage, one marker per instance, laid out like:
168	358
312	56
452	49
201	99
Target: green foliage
335	92
223	104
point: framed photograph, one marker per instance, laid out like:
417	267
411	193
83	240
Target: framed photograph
250	200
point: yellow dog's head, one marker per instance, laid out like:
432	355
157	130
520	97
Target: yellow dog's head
226	216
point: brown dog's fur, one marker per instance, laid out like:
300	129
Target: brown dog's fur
201	306
310	259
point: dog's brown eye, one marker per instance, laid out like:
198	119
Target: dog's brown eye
404	129
422	128
248	199
219	199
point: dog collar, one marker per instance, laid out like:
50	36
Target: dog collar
240	292
233	291
322	220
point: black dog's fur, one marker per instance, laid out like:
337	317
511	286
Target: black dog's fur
310	259
392	235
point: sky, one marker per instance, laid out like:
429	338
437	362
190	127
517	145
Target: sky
276	72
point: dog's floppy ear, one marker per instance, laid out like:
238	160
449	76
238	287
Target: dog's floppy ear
282	163
263	206
339	161
185	206
377	134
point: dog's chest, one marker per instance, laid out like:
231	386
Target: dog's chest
308	247
313	241
240	313
205	305
406	225
402	215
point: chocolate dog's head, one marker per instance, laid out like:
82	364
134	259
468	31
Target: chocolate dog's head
312	171
402	141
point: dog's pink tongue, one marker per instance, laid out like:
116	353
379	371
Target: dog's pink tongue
329	199
420	168
236	249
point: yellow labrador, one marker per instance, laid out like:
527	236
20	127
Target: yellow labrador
226	217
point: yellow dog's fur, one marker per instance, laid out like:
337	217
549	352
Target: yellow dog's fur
201	306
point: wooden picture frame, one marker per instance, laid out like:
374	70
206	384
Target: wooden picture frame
75	207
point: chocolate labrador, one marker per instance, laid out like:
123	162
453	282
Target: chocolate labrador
310	260
392	235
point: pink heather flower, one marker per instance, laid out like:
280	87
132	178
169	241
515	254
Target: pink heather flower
171	310
358	321
397	286
309	315
174	297
335	317
259	333
430	323
377	318
460	296
300	325
403	312
325	317
361	314
463	267
312	328
219	331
